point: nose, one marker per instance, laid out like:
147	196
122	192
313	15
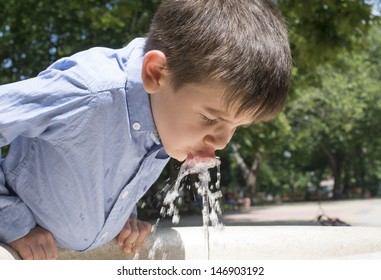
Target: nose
219	140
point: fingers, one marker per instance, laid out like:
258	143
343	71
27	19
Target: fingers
50	248
24	250
42	251
144	231
38	244
133	235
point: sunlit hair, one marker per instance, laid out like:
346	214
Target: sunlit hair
241	44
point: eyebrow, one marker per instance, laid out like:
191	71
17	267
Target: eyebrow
217	113
222	115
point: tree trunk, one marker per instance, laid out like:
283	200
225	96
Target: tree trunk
347	180
336	163
249	173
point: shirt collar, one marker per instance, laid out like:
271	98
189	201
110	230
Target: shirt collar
139	108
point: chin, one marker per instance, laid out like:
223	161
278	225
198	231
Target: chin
178	156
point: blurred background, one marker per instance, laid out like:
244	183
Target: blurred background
326	145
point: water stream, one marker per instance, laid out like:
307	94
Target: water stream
209	193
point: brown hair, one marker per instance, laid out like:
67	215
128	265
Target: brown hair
242	44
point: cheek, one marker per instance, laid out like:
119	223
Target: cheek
186	133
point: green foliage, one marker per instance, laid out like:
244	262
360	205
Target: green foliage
319	29
34	33
339	118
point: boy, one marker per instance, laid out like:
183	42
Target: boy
92	133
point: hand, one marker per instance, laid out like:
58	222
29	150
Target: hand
133	235
38	244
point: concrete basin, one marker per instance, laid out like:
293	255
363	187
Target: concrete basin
242	243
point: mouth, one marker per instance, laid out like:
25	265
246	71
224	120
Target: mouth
200	164
201	155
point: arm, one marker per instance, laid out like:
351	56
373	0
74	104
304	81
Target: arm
44	107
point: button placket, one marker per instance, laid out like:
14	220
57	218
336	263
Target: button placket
124	194
155	138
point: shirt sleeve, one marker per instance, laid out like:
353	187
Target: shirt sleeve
44	106
47	106
16	220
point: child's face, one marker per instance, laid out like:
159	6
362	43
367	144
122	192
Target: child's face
192	121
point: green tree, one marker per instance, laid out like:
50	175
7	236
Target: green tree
319	29
251	147
34	33
338	118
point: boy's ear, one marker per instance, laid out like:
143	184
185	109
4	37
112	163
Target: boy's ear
153	70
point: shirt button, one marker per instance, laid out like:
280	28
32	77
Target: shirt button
104	235
124	194
136	126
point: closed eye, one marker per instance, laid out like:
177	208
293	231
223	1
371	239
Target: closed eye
209	121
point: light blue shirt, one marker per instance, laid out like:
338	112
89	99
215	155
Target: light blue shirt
84	148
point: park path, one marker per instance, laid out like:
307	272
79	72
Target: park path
364	212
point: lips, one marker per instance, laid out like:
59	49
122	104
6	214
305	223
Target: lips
201	155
